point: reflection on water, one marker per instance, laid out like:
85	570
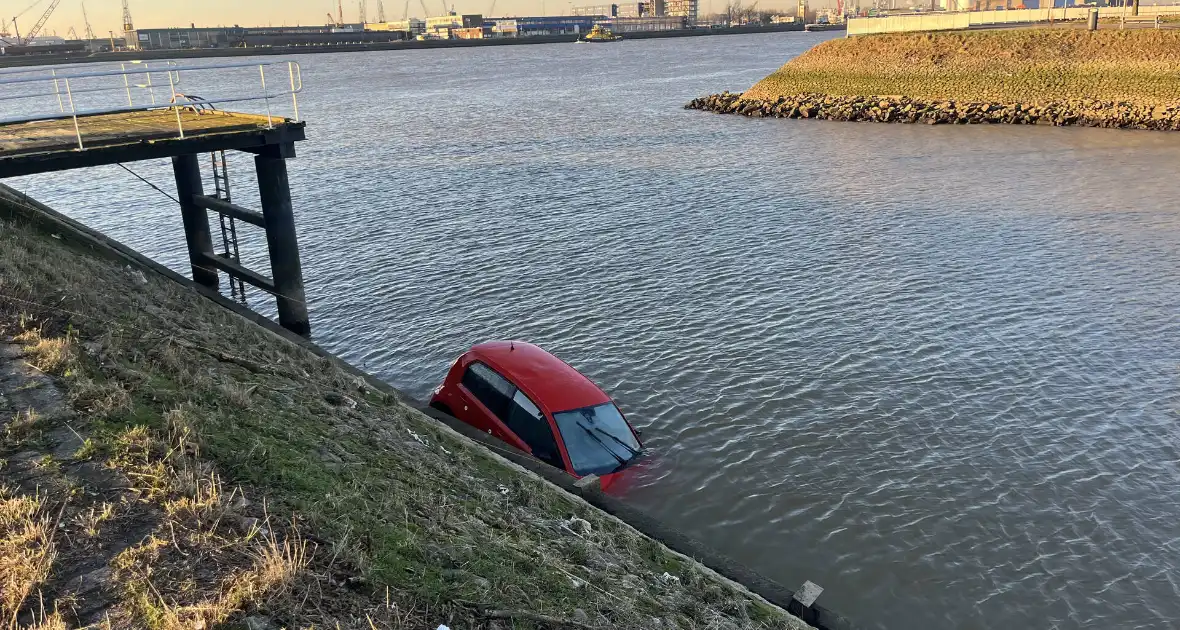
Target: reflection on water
932	369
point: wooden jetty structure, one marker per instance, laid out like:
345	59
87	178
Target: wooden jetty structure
77	134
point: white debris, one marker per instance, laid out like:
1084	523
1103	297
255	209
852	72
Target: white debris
442	627
136	275
503	489
576	582
578	525
668	578
420	439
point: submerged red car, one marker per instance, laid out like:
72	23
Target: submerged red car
539	404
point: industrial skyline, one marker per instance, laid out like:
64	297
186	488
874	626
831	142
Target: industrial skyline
107	15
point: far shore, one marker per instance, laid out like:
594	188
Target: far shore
1105	78
13	61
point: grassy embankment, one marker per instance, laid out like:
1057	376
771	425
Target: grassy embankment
166	464
1103	78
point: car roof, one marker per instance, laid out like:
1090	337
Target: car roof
548	380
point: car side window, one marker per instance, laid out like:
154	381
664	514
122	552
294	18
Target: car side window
526	421
493	390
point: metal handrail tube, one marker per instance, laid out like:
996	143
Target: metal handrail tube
115	73
12	71
146	107
120	88
294	71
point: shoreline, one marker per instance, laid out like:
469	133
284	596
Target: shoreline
894	109
204	53
423	435
1106	78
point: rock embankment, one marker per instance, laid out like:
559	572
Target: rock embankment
903	109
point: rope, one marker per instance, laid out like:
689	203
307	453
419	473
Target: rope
158	189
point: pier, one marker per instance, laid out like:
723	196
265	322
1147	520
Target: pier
85	128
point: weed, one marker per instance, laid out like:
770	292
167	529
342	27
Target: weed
27	549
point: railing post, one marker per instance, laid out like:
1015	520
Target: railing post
196	221
57	90
294	98
74	113
126	85
269	121
175	105
152	90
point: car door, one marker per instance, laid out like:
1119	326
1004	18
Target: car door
500	408
529	423
489	397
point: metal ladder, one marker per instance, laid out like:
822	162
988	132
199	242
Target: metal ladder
229	228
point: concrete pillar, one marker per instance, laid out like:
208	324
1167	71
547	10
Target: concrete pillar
277	213
196	220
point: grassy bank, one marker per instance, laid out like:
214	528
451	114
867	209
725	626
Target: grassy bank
1106	78
166	464
1018	65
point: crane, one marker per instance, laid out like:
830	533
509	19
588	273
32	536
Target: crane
128	24
4	30
72	33
492	10
445	12
41	22
380	11
406	11
340	12
332	20
89	31
363	11
425	11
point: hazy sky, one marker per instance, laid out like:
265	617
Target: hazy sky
106	15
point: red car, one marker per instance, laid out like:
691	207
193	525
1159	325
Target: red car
538	403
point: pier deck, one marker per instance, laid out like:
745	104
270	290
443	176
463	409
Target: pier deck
52	145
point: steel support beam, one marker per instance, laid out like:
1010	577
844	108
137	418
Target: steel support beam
279	216
196	221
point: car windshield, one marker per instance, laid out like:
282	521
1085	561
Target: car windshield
597	439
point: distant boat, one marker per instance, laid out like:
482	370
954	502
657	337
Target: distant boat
599	34
828	26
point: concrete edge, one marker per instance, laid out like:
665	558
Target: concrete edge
21	206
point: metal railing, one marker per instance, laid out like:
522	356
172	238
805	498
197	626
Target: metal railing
67	86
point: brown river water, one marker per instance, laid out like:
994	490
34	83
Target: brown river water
935	370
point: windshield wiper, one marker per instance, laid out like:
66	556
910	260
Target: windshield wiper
634	453
590	432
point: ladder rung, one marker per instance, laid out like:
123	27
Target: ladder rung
230	210
237	271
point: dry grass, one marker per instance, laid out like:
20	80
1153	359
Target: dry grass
21	427
1020	65
413	525
27	550
52	355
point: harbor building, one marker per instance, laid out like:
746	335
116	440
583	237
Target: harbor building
687	9
411	26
